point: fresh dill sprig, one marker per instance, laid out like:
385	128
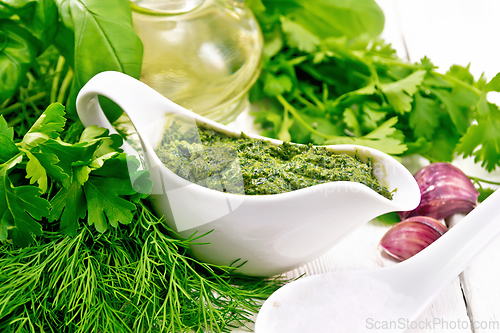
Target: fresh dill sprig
135	278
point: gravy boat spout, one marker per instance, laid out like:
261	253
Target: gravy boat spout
272	234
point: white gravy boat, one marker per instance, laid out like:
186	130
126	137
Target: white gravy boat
271	233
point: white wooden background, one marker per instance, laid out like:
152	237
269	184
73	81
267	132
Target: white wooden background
448	32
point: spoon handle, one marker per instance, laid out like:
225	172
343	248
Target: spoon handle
447	257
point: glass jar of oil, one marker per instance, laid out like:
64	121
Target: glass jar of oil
202	54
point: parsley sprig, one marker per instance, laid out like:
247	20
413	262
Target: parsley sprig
44	179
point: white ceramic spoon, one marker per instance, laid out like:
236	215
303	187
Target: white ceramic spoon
362	301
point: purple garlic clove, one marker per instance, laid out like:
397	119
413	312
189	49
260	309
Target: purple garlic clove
445	190
411	236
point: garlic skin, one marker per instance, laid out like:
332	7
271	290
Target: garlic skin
445	190
411	236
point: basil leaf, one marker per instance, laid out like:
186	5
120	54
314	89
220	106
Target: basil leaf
326	18
22	8
105	40
26	29
43	23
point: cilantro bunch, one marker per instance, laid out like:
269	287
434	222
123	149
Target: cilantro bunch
325	86
46	183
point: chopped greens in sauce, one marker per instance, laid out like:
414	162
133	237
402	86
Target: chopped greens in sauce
251	166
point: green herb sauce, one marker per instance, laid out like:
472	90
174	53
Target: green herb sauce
252	166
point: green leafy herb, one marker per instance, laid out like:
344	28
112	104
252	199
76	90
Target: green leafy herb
484	187
325	18
399	94
103	195
91	36
68	206
21	206
104	40
87	176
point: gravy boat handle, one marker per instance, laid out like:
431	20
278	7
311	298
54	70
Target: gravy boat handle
143	105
